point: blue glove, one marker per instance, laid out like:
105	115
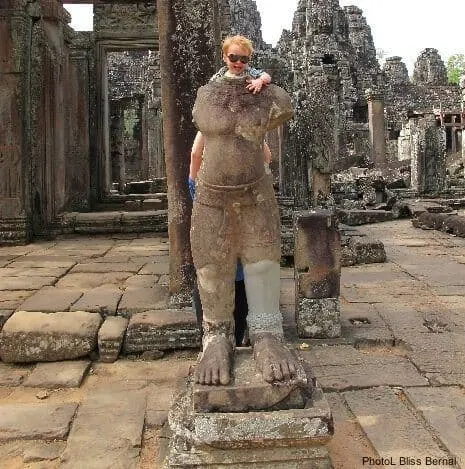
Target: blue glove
191	184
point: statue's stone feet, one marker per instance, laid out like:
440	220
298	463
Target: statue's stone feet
216	363
274	359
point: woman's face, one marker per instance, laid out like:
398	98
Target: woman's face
236	52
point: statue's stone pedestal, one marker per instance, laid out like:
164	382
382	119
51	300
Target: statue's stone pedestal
290	438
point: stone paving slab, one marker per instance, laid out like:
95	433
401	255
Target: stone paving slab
56	375
33	272
30	336
157	268
342	367
107	431
392	428
10	300
25	283
137	300
87	281
12	375
35	421
142	281
51	299
50	261
444	409
106	267
43	451
103	300
362	324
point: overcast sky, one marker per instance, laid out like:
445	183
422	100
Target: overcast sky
399	27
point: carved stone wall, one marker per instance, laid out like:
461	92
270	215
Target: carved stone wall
245	19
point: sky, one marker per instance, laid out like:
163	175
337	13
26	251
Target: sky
399	27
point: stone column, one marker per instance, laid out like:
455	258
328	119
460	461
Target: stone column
462	86
15	213
317	260
428	162
376	125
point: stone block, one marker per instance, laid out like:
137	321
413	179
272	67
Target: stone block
248	391
25	283
137	300
98	222
30	336
292	438
4	315
318	284
147	220
36	421
51	299
110	338
367	250
357	217
12	375
56	375
103	300
155	268
41	451
107	431
161	330
318	318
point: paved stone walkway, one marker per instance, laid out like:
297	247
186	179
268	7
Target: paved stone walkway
394	380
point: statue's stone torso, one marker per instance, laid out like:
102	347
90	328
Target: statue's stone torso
234	122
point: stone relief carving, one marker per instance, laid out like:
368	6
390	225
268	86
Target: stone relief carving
117	17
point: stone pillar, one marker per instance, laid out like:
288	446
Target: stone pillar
15	212
317	260
376	125
428	162
462	86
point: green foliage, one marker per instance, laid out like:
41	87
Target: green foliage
455	68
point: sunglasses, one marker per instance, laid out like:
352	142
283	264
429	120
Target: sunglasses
234	58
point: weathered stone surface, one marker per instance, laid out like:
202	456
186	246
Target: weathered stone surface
113	441
10	300
35	421
92	280
57	375
156	268
101	222
389	424
12	375
444	409
309	426
367	250
161	330
318	318
103	267
137	300
156	418
103	300
147	220
29	283
21	271
142	281
30	336
360	217
249	391
110	338
4	315
344	367
43	451
51	299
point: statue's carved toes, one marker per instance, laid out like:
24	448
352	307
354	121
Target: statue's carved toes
274	359
215	365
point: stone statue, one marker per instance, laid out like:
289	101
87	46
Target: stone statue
235	216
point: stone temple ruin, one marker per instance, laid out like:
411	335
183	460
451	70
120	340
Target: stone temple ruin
95	137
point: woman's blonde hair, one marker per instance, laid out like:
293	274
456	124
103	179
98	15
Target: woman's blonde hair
238	40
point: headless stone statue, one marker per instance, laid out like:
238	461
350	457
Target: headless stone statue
235	216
